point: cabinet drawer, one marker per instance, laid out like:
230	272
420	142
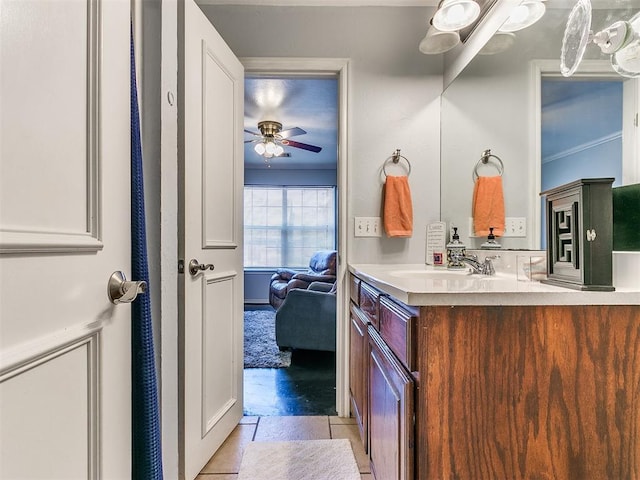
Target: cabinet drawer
396	328
354	289
369	303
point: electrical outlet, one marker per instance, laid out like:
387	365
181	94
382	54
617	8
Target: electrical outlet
515	227
368	227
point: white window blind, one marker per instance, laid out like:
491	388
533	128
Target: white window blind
284	226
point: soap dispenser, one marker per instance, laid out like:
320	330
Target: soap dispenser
491	241
455	251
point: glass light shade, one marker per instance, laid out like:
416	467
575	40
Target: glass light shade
500	42
259	148
270	148
626	61
278	151
436	41
456	14
523	16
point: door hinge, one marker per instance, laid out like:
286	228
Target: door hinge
180	266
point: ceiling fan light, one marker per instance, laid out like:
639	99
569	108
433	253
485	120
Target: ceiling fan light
523	16
456	14
278	151
259	148
270	148
436	41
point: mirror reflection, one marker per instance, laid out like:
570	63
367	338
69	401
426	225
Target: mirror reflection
546	128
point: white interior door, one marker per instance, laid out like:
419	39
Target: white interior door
64	228
211	122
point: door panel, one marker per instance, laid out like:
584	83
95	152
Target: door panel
219	386
64	228
67	380
358	372
211	123
218	144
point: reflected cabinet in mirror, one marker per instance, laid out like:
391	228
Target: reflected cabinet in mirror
548	130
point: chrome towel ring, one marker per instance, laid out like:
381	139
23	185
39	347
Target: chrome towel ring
395	158
484	160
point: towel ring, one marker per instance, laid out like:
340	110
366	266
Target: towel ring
395	158
484	160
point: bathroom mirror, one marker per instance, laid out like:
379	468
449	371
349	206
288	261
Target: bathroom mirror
496	103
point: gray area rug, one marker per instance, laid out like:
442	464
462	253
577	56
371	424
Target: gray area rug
260	348
299	460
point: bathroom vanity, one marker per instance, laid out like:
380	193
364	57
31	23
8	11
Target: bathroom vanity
458	376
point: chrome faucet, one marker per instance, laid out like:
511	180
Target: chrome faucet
484	268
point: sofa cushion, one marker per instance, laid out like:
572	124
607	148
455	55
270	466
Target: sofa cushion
324	262
279	289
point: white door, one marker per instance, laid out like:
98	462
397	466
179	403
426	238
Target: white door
211	122
64	228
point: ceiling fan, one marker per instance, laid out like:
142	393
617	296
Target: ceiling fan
272	138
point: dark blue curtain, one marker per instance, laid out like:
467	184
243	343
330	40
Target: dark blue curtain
146	446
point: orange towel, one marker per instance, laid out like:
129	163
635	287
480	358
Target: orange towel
488	206
398	210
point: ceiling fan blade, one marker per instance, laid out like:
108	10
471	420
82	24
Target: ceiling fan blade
291	132
304	146
252	133
252	141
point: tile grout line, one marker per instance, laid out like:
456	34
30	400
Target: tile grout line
255	430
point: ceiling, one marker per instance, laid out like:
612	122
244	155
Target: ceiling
307	103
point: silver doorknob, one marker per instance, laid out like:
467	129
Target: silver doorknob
195	267
119	290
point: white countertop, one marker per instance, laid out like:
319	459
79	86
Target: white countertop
418	284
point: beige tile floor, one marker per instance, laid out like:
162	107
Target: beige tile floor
224	465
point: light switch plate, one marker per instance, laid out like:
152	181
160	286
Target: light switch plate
515	227
368	227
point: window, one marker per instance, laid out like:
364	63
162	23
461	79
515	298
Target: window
284	226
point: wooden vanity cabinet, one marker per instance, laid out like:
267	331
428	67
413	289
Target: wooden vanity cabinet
381	385
508	392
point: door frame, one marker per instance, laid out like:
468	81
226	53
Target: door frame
599	69
341	68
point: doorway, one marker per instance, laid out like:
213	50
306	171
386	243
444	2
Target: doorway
314	382
581	132
623	137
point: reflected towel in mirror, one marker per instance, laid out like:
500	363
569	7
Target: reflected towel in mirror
488	206
398	208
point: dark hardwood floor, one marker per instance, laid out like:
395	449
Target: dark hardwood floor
307	387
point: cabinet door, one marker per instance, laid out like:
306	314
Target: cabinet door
358	371
391	429
565	259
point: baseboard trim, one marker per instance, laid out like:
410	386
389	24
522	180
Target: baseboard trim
257	301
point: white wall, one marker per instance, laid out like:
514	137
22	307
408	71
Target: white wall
394	99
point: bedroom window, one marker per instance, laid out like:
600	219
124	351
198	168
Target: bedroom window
284	226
